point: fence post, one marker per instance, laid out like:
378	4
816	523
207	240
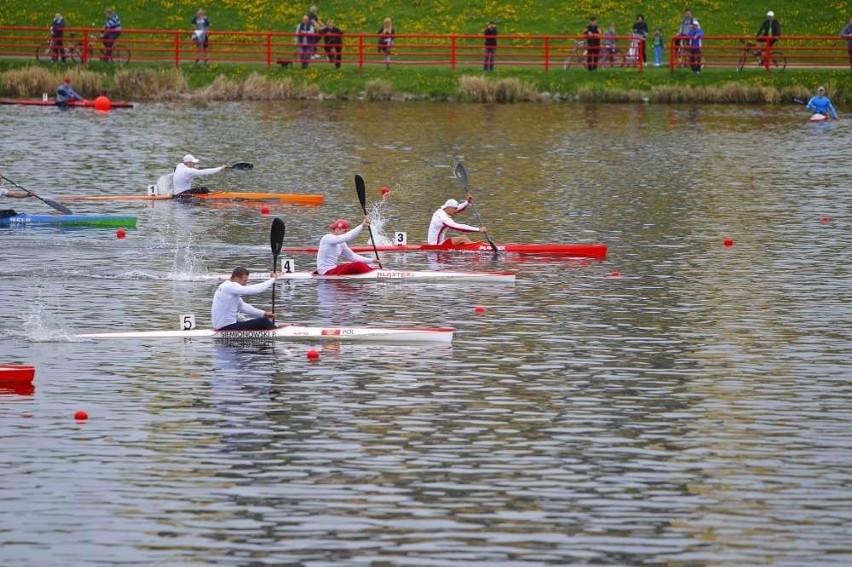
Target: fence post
177	49
546	54
768	50
453	52
360	52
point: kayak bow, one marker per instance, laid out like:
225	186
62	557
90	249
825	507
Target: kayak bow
105	221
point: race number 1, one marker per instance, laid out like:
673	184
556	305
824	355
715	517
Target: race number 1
288	265
187	322
400	239
153	191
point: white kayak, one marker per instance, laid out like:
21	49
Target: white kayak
817	117
393	275
297	333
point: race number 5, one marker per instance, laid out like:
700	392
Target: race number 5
400	239
288	265
187	322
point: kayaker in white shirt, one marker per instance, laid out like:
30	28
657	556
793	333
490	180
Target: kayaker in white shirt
11	193
188	170
442	220
228	303
333	245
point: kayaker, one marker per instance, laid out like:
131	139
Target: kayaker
13	193
442	220
64	93
228	304
820	104
188	170
334	245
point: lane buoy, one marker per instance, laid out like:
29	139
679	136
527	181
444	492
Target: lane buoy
120	233
728	242
479	309
81	415
102	103
313	355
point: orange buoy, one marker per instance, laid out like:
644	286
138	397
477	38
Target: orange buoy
102	103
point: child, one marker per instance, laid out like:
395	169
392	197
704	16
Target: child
657	44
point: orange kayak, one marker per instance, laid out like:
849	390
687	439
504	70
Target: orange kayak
293	198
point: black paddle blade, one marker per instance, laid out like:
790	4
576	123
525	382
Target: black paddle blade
58	206
361	189
461	175
242	165
798	100
276	236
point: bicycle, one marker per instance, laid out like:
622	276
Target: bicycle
47	50
120	54
752	52
576	55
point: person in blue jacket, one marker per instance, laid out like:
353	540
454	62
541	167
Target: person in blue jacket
65	92
695	36
821	105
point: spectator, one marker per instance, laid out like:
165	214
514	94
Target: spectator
609	45
333	38
770	29
593	44
386	35
490	34
846	33
695	35
199	36
820	104
640	29
65	92
111	31
683	34
315	21
57	31
305	31
657	45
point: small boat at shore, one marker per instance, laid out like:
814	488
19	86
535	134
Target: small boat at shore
597	251
102	221
382	335
69	104
292	198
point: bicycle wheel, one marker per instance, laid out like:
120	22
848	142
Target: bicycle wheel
74	53
741	63
44	52
121	55
778	61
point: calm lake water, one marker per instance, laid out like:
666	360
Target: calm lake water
692	409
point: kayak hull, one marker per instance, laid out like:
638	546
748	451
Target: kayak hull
293	198
16	373
598	251
394	276
817	117
70	104
440	335
107	221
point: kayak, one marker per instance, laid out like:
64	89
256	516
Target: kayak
578	250
297	333
70	104
394	276
16	373
817	117
293	198
26	219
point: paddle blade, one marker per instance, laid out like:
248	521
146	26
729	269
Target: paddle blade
461	175
361	189
797	100
242	165
276	236
58	206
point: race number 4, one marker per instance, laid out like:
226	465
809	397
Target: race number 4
288	265
187	322
400	239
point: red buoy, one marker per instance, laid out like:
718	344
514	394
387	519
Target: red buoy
615	274
81	415
313	355
825	219
120	233
728	242
479	309
102	103
264	210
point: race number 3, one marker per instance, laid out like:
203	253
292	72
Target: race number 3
288	265
187	322
400	239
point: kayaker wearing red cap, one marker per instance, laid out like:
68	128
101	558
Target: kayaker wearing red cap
333	245
442	220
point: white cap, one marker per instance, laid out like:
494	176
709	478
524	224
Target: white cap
695	23
821	88
770	14
189	158
450	203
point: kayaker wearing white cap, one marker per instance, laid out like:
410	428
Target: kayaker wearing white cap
820	104
333	245
442	220
188	170
770	29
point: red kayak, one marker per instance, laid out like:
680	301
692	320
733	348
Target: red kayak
575	250
18	373
71	103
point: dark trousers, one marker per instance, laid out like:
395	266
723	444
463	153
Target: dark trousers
592	55
257	324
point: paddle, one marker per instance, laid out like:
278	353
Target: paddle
276	240
361	189
797	100
461	176
50	202
242	166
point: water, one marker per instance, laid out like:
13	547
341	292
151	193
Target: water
692	409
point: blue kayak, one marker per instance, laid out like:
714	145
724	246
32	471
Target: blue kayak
25	219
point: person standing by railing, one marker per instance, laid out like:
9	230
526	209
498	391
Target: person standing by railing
111	31
57	32
593	44
386	35
846	34
333	38
695	35
304	34
657	45
683	32
199	36
490	34
769	30
640	29
609	42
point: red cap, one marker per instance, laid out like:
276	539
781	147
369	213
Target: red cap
339	223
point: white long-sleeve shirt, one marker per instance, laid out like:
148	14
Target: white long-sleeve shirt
441	222
228	302
182	180
332	247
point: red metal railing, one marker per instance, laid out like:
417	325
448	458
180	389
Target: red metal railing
175	47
